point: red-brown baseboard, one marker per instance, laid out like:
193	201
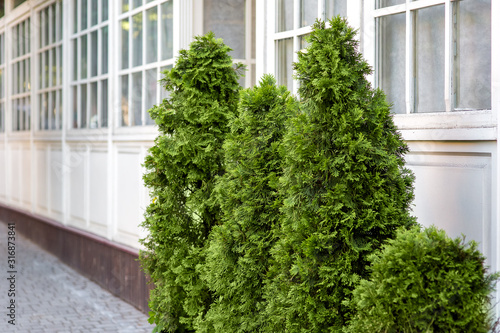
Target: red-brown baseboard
113	266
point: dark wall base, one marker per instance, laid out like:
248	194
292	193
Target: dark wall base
113	266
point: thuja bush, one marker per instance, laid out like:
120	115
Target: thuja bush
424	281
181	170
237	259
345	187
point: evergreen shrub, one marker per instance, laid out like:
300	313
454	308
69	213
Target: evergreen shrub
424	281
181	171
345	187
237	259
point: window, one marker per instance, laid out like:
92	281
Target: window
2	84
234	22
49	56
291	29
146	50
21	71
89	86
434	56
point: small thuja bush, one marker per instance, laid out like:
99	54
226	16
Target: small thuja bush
424	281
237	259
345	187
181	171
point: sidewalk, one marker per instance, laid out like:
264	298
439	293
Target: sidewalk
50	297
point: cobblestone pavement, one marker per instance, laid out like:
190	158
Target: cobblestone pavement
50	297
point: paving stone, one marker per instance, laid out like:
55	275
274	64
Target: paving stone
51	297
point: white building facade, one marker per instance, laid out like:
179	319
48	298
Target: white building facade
78	76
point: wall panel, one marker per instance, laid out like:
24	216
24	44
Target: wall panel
77	188
14	178
453	192
129	192
41	183
26	165
3	169
56	178
98	192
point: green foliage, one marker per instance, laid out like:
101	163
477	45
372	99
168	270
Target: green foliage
237	259
181	171
424	281
345	186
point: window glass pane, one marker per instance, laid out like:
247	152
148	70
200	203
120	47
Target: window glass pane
93	106
52	113
308	12
84	10
124	101
392	60
284	15
226	19
53	23
387	3
429	59
75	59
125	6
136	98
167	30
137	3
137	40
75	107
303	42
94	12
27	46
151	35
15	111
104	50
18	2
28	75
83	58
59	109
75	16
105	10
83	110
59	63
151	91
284	59
2	128
473	58
44	124
22	36
59	21
54	68
104	103
125	49
336	7
15	78
163	92
27	113
1	49
43	28
1	83
93	53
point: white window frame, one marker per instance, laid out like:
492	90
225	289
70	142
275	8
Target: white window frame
87	82
353	16
449	124
11	60
39	76
159	65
